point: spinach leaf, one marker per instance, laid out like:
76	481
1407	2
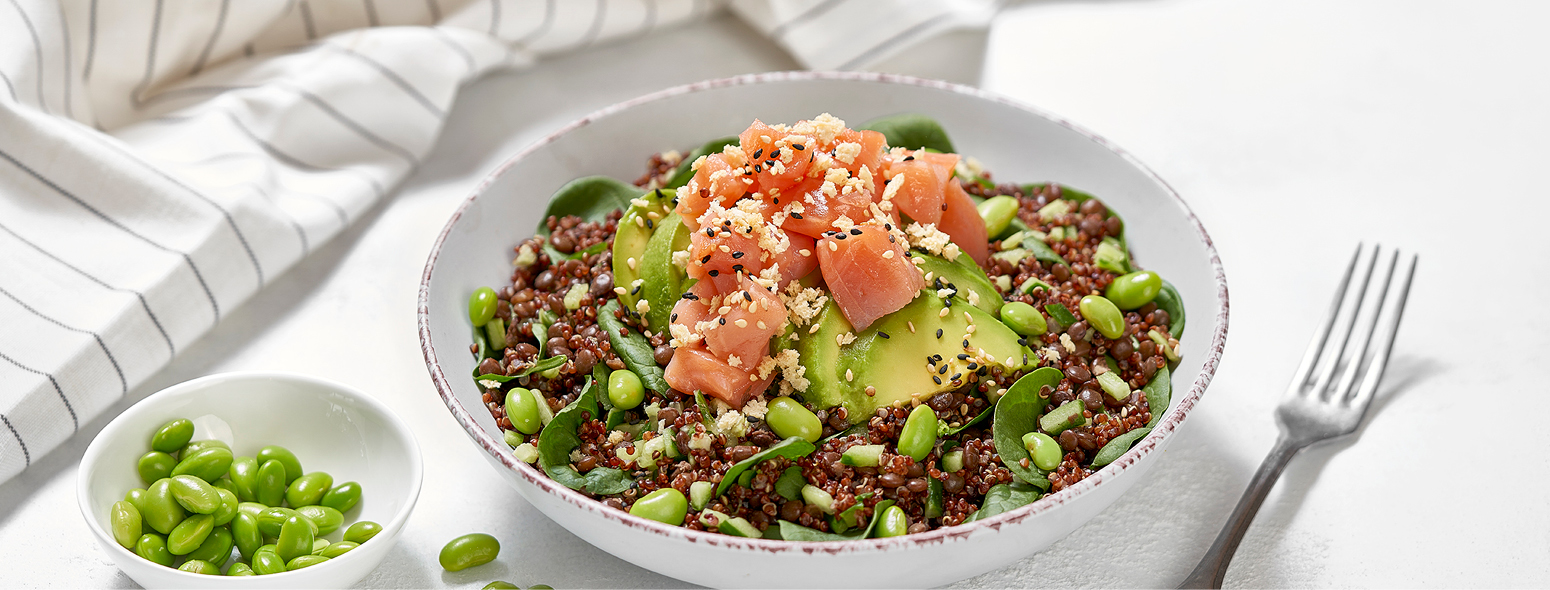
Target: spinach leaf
857	429
590	197
943	430
789	486
546	318
1060	314
632	348
1118	445
559	438
1041	251
704	407
844	522
790	448
1169	300
538	367
605	481
911	130
682	174
1004	498
1157	394
1017	413
791	531
485	351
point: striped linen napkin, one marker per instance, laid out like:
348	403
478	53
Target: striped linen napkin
161	161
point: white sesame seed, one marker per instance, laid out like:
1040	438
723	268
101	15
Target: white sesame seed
833	247
741	323
942	314
631	260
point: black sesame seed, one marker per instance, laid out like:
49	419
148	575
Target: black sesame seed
963	357
757	153
942	371
799	147
690	296
908	158
650	225
891	240
722	321
710	232
931	360
714	272
986	370
705	259
944	206
775	154
795	215
737	268
855	231
1022	341
748	296
636	290
956	376
726	222
659	193
937	379
965	342
737	254
883	334
769	163
973	366
839	236
939	333
673	317
888	226
758	168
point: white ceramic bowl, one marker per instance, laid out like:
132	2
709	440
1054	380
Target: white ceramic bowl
1014	141
329	426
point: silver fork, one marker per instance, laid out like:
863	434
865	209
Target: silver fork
1313	409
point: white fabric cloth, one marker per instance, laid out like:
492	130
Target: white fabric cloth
162	160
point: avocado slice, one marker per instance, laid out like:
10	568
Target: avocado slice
966	276
663	281
820	353
632	237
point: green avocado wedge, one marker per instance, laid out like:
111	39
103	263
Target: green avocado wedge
632	238
663	282
963	276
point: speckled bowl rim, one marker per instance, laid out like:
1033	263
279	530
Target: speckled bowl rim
499	450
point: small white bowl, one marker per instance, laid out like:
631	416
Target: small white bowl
1015	142
330	427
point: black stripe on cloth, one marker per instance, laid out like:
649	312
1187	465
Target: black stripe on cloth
9	87
543	26
150	59
37	48
468	58
435	10
495	18
344	217
25	455
306	20
64	31
171	349
301	234
100	344
811	13
365	133
371	13
73	419
91	40
115	223
393	77
204	55
890	42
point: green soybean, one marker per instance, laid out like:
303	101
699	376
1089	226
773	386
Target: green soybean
155	465
190	534
285	457
522	409
225	483
200	445
1023	318
228	509
1043	449
134	497
789	418
239	569
124	519
295	539
337	549
343	497
195	494
998	213
244	477
252	509
270	486
208	464
919	433
1103	315
153	548
304	561
308	489
159	509
470	550
318	545
501	585
482	306
362	531
1135	289
267	562
625	389
199	566
327	519
272	519
665	505
269	548
173	435
245	535
893	522
216	548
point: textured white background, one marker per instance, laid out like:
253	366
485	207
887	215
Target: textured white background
1294	129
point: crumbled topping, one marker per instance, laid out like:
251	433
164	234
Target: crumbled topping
681	259
847	152
1067	343
803	304
733	361
789	361
732	424
616	436
845	338
734	155
927	237
844	223
824	127
756	408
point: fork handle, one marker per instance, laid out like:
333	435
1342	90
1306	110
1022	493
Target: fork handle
1214	565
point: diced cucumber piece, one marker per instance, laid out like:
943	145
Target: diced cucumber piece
815	496
1068	415
739	527
1114	385
699	494
862	456
1111	256
934	502
525	452
1034	283
1054	208
712	519
952	461
1014	256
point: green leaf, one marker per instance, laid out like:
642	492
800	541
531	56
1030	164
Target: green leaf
1061	314
632	348
1169	300
1118	445
606	481
1112	256
791	531
943	430
704	407
591	198
912	131
1041	251
1004	498
790	448
1158	395
559	437
683	173
538	367
789	486
1017	413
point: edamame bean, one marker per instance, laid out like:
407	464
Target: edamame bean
362	531
245	535
190	534
269	548
304	561
665	505
267	562
224	483
208	464
285	457
124	519
272	519
194	494
159	509
470	550
228	509
522	409
894	522
481	306
295	539
318	545
501	585
789	418
244	477
239	569
1023	319
1103	315
217	547
153	548
155	465
197	566
1135	289
134	497
343	497
172	436
327	519
270	486
919	433
337	549
200	445
252	509
308	489
998	213
625	389
1043	449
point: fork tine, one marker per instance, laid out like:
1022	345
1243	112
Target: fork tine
1321	333
1380	357
1331	362
1364	338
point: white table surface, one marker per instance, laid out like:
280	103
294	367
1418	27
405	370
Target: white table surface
1294	129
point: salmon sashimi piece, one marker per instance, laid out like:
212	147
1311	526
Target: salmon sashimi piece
963	224
716	181
819	211
694	368
868	273
798	260
718	254
874	147
921	193
744	324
